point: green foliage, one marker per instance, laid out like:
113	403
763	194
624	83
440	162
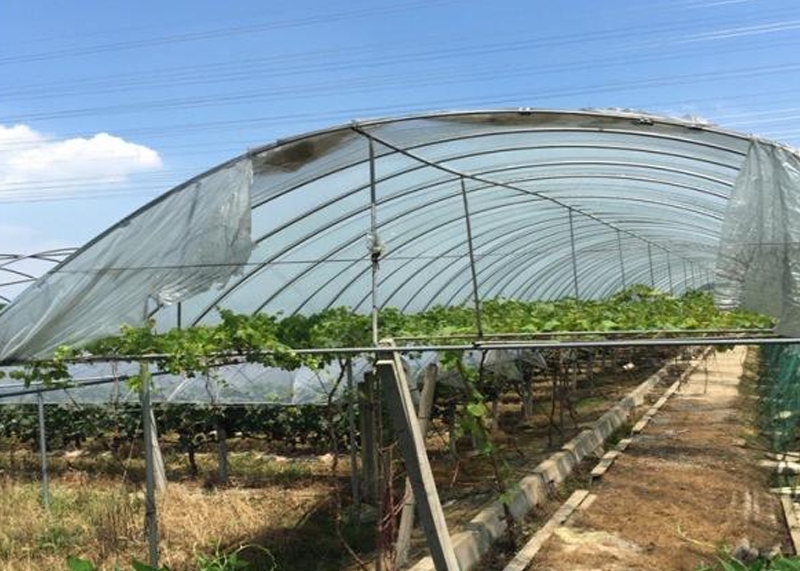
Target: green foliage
218	561
779	389
271	340
77	564
221	561
730	563
70	426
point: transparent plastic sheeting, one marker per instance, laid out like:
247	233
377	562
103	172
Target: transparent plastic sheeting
177	247
251	383
561	203
759	260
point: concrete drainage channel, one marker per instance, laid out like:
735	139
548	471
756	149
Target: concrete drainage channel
489	525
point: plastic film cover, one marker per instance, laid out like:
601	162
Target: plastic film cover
192	240
758	266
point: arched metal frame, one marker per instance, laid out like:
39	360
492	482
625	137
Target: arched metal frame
460	207
12	276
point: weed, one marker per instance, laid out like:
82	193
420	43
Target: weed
727	562
221	561
218	561
56	537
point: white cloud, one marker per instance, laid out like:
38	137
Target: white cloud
31	161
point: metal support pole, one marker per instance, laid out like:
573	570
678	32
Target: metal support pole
650	261
43	452
369	440
179	313
222	449
574	256
621	260
669	274
475	296
150	514
352	402
375	252
691	268
685	275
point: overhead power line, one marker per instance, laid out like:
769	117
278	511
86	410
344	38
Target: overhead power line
239	30
377	84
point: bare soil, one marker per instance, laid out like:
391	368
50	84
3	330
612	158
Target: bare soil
686	488
282	504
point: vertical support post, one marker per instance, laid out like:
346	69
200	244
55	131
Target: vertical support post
685	275
352	400
179	313
407	515
369	440
375	250
222	449
43	452
650	261
574	256
621	260
150	514
669	274
691	268
412	445
475	296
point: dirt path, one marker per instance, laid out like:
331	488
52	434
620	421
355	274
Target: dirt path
684	488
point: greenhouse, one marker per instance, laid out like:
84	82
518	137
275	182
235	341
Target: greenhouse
435	210
471	217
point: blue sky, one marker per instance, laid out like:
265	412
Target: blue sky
104	105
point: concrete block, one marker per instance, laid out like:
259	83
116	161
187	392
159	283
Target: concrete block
424	564
583	444
534	488
470	547
556	468
609	422
490	521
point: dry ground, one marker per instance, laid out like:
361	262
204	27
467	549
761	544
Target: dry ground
687	487
284	505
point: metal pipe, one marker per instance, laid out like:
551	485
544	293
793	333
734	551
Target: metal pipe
475	294
621	332
517	344
621	260
574	256
217	300
41	389
444	168
236	357
150	514
650	261
352	402
374	249
43	453
488	346
669	274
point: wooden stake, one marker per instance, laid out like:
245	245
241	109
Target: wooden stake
412	445
407	516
